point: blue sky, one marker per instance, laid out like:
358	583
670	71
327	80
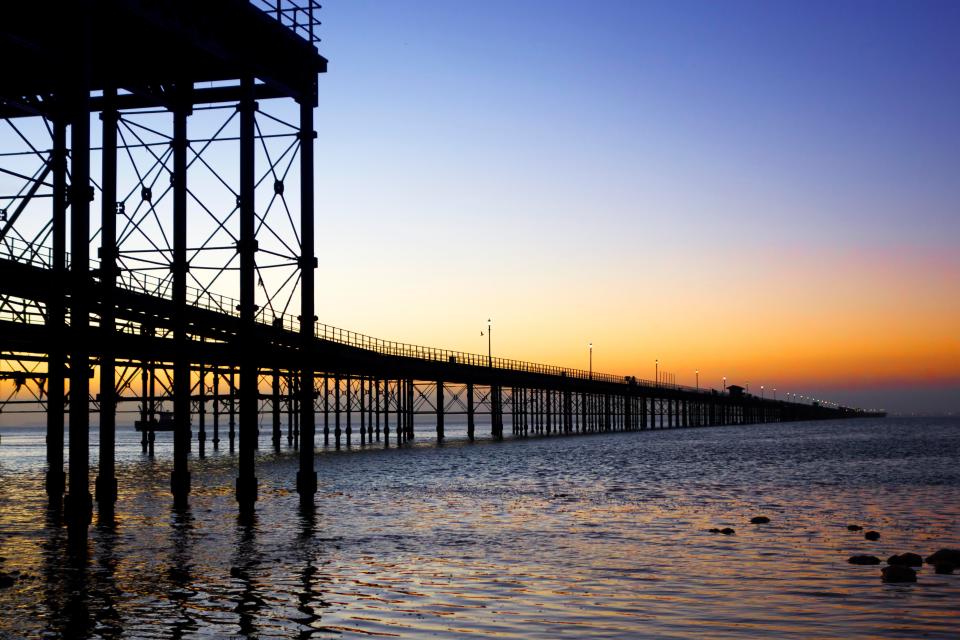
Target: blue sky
606	171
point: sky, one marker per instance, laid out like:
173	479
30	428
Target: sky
766	191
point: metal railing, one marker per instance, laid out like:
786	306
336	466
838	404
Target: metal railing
300	16
198	298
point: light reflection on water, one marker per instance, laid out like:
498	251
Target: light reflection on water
597	536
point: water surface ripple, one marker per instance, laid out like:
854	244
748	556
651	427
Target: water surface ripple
601	536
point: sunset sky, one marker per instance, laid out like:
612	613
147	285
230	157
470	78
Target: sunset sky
767	191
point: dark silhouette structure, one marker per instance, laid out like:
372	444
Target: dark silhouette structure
129	118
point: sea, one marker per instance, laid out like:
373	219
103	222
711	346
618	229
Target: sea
586	536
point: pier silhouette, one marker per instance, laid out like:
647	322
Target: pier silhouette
171	257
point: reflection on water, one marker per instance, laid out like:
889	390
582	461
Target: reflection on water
597	536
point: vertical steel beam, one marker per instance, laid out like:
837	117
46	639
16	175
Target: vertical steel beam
275	409
362	381
326	410
201	410
349	416
79	503
216	408
106	482
440	405
471	418
56	369
306	474
386	413
336	410
247	478
180	477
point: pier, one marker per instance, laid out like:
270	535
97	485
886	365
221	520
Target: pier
157	251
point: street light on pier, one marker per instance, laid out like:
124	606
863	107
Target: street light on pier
761	392
774	393
698	379
656	372
591	360
724	383
489	343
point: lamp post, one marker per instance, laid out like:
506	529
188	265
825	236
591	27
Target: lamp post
761	392
489	343
656	372
724	383
774	393
698	379
591	360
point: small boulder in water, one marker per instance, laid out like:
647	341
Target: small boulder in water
863	560
714	530
759	520
944	568
854	527
6	580
727	531
898	573
871	535
945	556
906	560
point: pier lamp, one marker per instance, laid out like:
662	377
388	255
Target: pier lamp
656	372
761	392
774	393
724	383
591	360
489	343
698	379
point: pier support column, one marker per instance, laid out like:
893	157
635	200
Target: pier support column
411	412
349	417
249	392
56	367
386	413
471	424
232	407
201	410
336	410
440	407
628	413
307	475
362	384
277	432
326	410
548	410
376	402
400	401
106	482
216	408
180	478
583	413
78	503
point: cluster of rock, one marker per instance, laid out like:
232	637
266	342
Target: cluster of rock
727	531
900	567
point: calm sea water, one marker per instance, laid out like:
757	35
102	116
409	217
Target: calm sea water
586	536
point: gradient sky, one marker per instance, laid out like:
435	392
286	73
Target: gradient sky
763	190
